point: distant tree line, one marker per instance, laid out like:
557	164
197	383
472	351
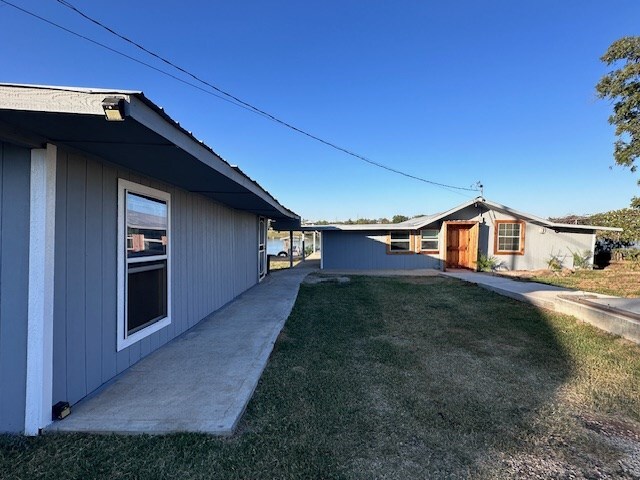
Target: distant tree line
626	218
367	221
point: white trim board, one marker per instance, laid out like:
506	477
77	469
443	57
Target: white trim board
39	381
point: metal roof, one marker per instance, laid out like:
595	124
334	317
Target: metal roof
418	223
148	141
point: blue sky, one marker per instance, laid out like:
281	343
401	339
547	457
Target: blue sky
455	92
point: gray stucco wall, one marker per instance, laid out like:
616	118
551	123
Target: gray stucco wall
15	169
367	251
214	259
360	250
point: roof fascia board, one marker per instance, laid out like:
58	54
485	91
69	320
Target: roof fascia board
34	99
586	227
516	213
68	100
440	216
71	89
141	112
547	223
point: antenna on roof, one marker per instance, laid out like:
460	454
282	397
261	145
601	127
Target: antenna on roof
479	187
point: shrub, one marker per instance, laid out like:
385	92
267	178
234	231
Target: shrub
554	262
581	259
631	254
487	263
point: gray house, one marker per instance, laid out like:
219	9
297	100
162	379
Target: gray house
118	232
455	238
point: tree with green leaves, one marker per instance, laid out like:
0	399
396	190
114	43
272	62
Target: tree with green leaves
622	87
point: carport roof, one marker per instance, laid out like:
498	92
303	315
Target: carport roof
148	141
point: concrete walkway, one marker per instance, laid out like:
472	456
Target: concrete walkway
201	381
620	316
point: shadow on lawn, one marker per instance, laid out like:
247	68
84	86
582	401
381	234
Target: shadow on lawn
484	370
385	378
425	377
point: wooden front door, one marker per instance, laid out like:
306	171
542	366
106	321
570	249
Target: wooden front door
462	245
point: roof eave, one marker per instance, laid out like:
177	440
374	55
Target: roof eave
88	101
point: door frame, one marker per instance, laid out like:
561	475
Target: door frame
474	228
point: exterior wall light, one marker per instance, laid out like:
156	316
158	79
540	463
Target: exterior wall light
113	109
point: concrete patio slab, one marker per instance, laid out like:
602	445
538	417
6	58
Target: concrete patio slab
203	380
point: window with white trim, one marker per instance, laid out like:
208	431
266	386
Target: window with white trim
509	237
399	242
144	272
429	240
262	247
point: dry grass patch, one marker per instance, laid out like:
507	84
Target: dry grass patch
279	263
621	279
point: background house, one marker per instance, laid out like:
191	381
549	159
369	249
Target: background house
118	232
455	238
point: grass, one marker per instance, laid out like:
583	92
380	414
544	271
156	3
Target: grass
398	378
278	263
619	279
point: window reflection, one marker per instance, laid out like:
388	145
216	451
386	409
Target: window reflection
147	222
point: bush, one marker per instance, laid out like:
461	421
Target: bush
486	263
554	262
630	254
581	260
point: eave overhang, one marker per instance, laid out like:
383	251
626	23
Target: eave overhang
148	141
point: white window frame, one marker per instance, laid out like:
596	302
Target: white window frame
125	186
262	248
436	239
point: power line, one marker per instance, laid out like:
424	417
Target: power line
222	94
113	50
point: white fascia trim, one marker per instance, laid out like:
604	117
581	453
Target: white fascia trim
124	341
39	381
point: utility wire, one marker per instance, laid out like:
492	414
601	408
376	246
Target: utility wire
250	106
222	94
122	54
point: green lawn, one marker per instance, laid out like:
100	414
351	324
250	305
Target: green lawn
399	378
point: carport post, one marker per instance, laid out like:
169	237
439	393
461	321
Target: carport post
290	248
303	252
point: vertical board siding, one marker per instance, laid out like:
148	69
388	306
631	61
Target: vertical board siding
368	251
60	280
213	260
362	250
108	268
15	172
93	276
